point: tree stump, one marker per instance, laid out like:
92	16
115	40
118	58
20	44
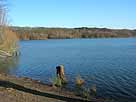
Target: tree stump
60	73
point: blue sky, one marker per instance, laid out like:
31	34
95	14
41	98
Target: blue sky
73	13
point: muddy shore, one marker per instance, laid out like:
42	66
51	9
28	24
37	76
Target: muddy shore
13	89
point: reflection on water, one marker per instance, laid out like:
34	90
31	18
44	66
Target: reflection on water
8	64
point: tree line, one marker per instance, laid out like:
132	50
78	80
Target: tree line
41	33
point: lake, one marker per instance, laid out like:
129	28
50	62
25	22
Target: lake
110	64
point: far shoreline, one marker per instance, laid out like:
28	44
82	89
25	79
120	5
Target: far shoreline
80	38
43	33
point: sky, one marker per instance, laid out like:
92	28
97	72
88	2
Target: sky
73	13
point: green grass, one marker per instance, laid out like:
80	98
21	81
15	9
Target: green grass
56	81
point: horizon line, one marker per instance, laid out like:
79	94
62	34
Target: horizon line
123	28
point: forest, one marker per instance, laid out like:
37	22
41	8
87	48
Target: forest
41	33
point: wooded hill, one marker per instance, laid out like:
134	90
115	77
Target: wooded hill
41	33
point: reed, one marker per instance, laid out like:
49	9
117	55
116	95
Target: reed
8	38
82	90
79	81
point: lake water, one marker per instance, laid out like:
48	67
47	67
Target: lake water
110	64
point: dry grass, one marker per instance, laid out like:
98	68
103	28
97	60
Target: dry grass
79	81
8	39
84	91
